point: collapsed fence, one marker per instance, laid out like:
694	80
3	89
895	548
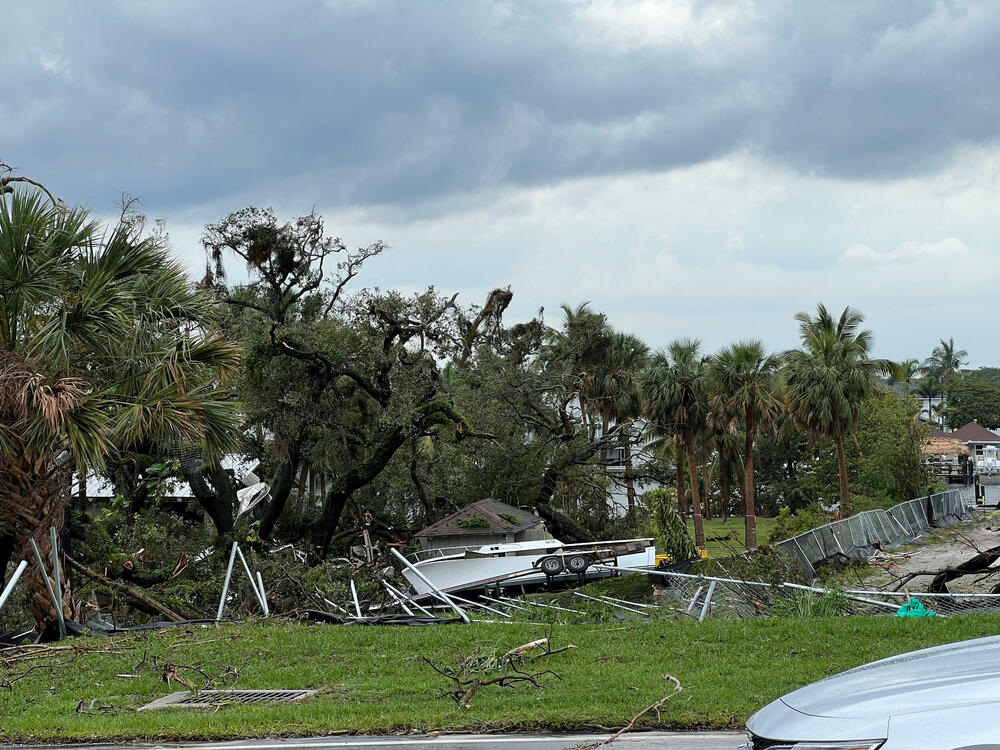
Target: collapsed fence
870	531
730	598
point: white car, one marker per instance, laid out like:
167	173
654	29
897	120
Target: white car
941	698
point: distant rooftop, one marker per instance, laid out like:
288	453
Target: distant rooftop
489	509
973	432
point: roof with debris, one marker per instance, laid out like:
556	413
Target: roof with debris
945	446
492	511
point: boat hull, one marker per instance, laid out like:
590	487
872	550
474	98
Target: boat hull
468	573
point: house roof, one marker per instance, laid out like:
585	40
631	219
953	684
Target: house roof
973	432
488	509
937	446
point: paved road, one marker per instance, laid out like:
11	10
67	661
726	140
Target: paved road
637	741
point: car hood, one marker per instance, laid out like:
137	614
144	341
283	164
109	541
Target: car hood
951	675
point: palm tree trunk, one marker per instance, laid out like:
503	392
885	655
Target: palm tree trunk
682	507
845	489
724	488
699	528
705	470
629	482
33	498
750	520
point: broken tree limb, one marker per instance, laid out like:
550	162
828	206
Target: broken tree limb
135	597
628	727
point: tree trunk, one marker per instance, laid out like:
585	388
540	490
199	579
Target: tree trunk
706	491
562	527
281	488
33	498
679	462
724	488
699	528
216	494
558	524
629	481
845	488
342	487
7	541
750	521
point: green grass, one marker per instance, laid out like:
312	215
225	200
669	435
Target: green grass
733	534
373	680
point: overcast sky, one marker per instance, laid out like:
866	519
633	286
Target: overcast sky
691	168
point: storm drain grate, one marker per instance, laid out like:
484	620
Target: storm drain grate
206	698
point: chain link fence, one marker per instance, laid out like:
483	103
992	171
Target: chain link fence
728	598
680	596
865	533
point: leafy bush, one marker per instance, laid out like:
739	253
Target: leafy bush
672	536
509	518
808	604
789	524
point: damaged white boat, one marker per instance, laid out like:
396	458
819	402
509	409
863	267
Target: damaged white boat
523	563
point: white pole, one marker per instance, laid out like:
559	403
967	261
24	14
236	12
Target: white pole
354	596
398	599
253	583
611	604
12	582
263	596
57	580
437	592
708	601
412	601
480	605
48	583
225	585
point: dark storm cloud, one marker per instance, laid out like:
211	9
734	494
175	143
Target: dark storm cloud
399	102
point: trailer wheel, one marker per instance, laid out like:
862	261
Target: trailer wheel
551	565
577	564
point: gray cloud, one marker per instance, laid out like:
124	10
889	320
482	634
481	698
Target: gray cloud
396	103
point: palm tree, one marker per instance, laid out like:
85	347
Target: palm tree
829	378
613	391
904	372
744	384
103	351
945	359
929	388
673	390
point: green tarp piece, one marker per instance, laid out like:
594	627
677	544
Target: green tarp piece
914	608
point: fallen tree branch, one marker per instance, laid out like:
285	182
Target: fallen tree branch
628	727
135	597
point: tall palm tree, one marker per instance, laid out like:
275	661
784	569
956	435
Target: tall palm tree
102	350
744	385
945	359
828	379
674	394
614	391
929	388
904	372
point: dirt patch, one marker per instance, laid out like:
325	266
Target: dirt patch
940	549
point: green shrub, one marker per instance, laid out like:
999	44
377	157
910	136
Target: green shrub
789	524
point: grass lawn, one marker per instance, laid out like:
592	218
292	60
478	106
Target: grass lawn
372	679
733	533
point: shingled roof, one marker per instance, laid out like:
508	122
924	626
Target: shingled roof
973	432
489	509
